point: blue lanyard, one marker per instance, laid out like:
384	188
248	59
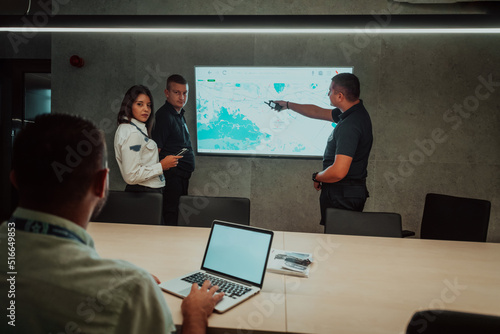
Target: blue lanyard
145	135
34	226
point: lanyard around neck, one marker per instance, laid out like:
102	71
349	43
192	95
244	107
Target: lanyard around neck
145	135
38	227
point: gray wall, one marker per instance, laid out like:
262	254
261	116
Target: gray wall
16	46
411	85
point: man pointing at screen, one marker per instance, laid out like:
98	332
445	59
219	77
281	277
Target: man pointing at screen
343	179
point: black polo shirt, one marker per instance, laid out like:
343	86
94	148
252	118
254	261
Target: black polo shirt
171	135
352	137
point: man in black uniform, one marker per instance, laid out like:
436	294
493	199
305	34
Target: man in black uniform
343	179
171	134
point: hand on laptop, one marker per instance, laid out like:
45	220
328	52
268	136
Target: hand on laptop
197	306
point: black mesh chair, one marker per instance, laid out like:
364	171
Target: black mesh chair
201	211
375	224
455	218
442	322
132	208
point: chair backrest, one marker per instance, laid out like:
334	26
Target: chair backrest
201	211
375	224
132	208
455	218
442	321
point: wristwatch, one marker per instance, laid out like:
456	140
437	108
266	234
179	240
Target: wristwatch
314	177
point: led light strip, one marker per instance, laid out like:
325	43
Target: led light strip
256	30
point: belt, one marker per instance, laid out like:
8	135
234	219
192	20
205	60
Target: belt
349	182
178	172
141	188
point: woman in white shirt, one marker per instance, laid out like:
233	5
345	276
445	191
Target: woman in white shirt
136	153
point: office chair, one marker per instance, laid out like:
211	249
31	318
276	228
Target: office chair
375	224
132	208
441	321
455	218
201	211
408	233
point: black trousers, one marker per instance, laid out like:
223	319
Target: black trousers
348	196
176	185
137	188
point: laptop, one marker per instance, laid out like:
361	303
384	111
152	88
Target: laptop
235	260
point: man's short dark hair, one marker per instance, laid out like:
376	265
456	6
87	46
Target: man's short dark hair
56	158
177	78
348	84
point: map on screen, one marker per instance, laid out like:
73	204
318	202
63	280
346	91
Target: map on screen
232	117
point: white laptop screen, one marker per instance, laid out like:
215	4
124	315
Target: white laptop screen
240	252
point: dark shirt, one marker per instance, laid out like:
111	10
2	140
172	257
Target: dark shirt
352	137
171	135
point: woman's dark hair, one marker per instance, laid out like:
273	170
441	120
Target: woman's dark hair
125	115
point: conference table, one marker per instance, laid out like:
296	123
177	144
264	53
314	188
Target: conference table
356	284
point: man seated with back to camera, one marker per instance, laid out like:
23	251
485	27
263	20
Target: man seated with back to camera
59	169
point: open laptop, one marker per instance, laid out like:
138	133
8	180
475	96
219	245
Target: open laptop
235	260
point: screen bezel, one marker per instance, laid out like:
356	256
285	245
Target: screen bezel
256	154
244	227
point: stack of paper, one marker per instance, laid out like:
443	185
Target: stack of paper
289	263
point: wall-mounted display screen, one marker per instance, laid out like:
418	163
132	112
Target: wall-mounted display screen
233	118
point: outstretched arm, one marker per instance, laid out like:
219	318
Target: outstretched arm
308	110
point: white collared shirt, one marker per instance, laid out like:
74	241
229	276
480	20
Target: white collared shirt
63	283
137	155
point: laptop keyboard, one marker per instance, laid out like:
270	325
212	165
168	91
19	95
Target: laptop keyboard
230	289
